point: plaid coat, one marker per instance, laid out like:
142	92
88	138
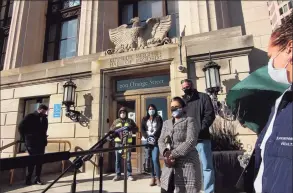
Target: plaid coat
187	173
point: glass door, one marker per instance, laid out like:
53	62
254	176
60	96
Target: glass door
137	109
132	104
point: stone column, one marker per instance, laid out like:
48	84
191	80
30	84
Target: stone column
176	76
97	17
26	35
203	16
100	109
194	15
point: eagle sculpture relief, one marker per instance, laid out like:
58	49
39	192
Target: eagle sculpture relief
153	33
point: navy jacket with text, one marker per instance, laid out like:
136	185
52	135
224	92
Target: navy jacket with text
277	175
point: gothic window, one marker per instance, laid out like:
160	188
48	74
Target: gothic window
145	9
6	8
62	29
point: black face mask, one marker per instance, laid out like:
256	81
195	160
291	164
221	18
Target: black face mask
187	91
42	115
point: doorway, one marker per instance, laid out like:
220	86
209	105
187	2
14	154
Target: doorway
137	109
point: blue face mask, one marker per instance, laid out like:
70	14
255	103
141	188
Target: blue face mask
151	112
177	113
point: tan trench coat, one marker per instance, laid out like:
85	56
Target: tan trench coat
187	173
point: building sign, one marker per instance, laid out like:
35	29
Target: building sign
135	59
140	83
57	111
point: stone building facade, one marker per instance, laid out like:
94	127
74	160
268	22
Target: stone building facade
50	41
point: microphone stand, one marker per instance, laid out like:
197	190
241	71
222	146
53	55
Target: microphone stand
78	162
101	165
124	143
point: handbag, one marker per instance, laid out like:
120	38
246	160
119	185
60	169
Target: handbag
168	162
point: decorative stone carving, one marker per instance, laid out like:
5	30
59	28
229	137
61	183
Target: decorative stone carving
152	34
69	12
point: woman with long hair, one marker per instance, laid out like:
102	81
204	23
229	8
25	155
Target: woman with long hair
151	126
177	144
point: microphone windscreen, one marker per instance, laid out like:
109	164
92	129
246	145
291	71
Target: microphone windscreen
121	129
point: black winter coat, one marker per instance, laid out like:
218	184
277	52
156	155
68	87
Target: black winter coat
33	129
200	107
144	127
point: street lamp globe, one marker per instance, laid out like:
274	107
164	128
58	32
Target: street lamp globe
69	94
212	77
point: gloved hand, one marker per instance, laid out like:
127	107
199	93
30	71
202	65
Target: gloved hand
168	159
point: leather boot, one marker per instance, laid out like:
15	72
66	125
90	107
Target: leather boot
153	182
28	181
158	182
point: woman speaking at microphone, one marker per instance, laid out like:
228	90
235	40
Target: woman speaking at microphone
178	138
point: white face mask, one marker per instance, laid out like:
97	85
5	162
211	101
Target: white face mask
152	112
122	115
278	75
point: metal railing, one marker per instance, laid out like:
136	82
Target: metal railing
18	142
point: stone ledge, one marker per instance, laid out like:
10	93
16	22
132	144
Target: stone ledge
213	35
76	65
222	45
15	84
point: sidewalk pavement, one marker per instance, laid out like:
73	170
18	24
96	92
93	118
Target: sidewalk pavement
84	185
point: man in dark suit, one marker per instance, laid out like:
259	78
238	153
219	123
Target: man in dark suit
200	107
33	130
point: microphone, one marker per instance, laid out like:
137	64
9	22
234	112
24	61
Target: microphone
168	142
122	129
151	140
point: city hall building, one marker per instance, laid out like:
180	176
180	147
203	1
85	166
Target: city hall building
115	61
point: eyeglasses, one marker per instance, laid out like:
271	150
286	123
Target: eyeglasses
186	80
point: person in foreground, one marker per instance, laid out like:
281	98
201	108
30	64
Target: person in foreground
178	138
200	107
123	121
151	125
274	146
33	130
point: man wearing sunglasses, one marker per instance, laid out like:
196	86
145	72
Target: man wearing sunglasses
200	107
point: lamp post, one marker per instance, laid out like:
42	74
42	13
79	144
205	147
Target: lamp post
213	80
69	100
